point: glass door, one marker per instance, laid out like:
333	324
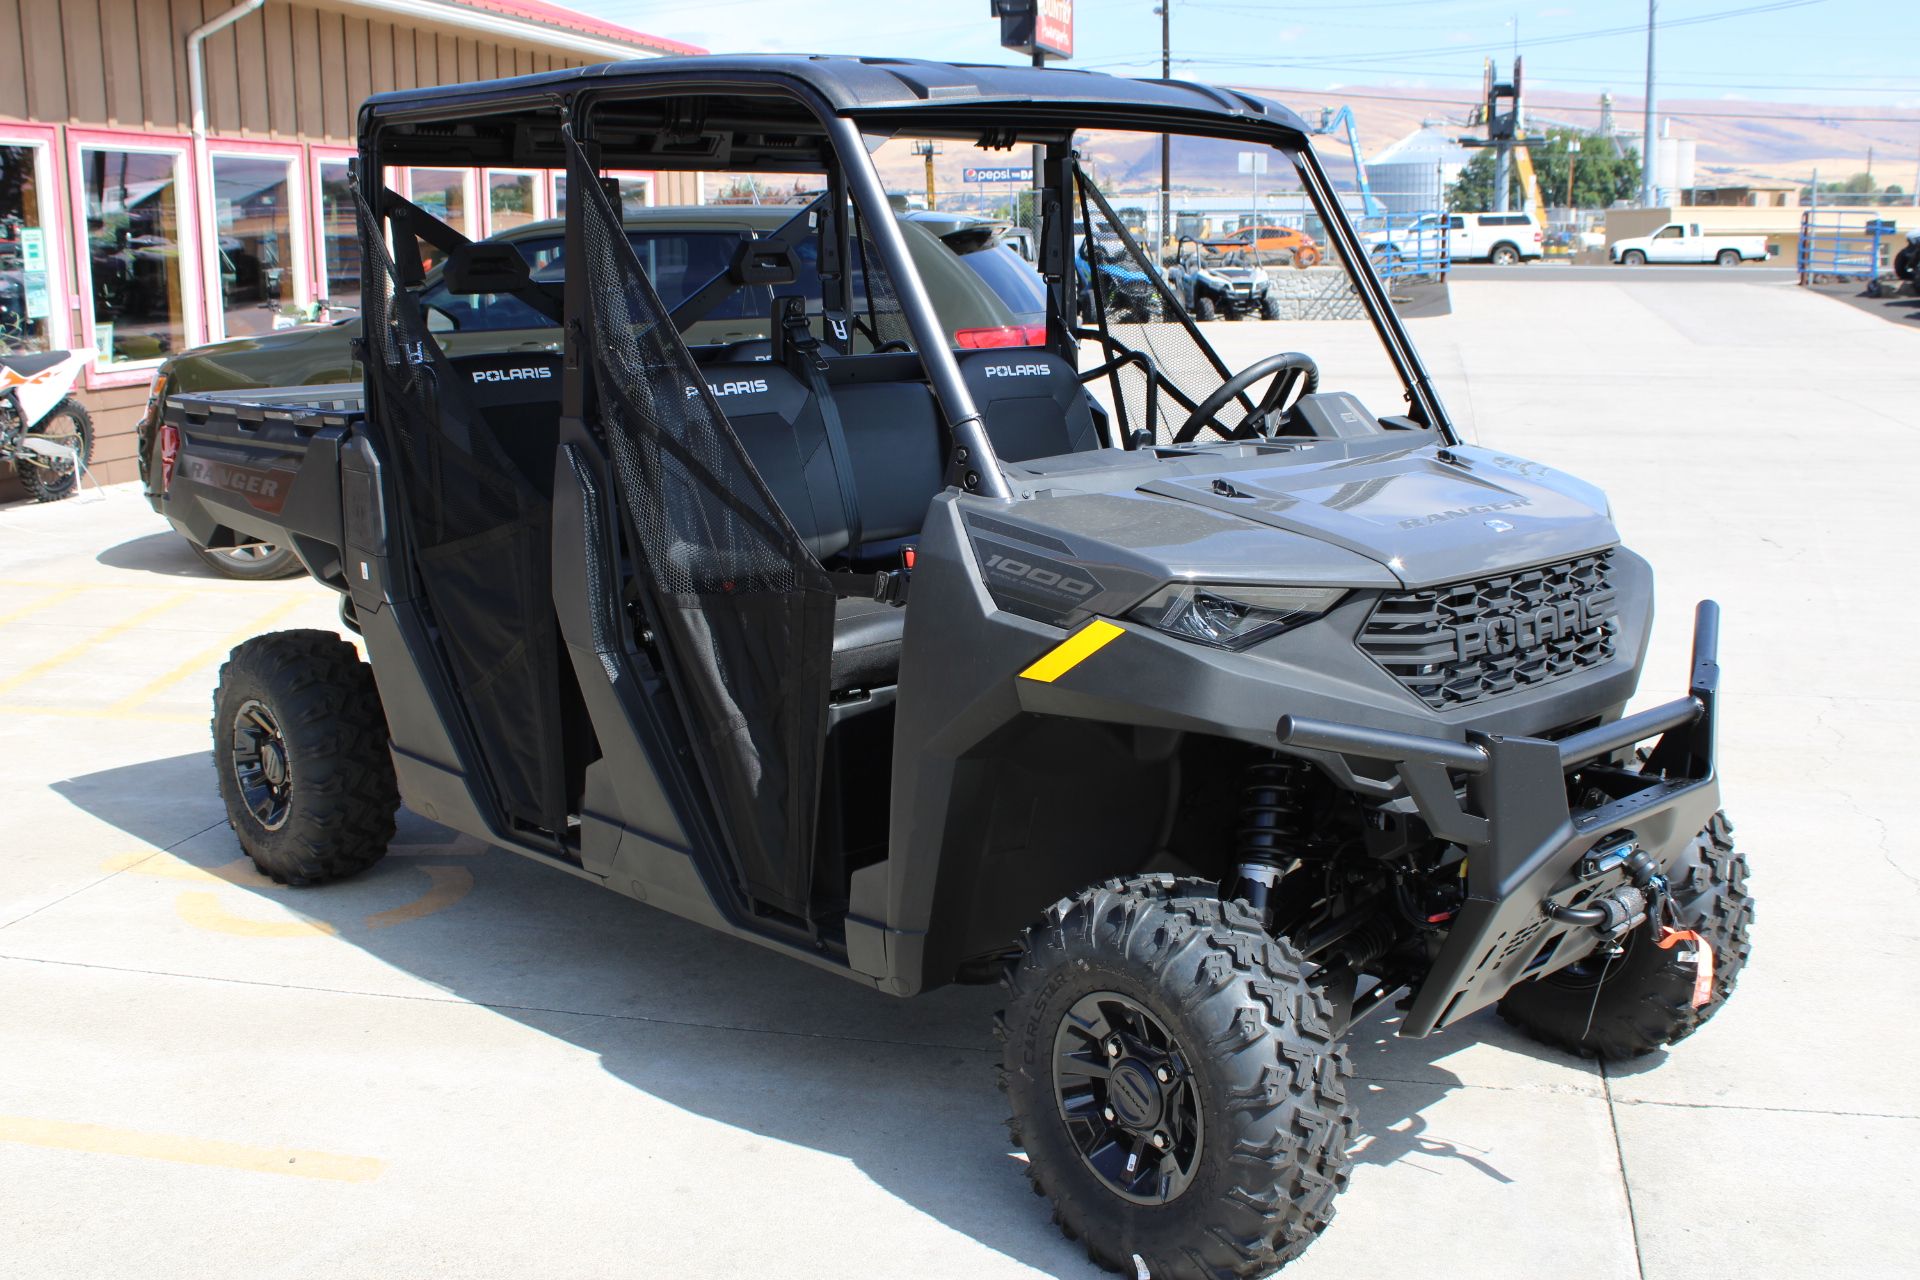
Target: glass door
29	318
137	282
257	243
337	282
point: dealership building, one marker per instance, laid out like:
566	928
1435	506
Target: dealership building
173	172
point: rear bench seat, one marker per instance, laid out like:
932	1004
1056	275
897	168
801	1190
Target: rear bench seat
1031	401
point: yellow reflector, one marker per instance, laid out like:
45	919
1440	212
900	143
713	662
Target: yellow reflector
1072	651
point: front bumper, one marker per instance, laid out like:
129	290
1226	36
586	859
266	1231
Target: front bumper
1525	844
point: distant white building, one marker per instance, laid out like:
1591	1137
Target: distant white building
1673	162
1412	174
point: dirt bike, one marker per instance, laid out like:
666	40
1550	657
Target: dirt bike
44	432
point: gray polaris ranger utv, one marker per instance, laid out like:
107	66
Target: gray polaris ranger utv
1210	710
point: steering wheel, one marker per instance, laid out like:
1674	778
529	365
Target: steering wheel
1287	369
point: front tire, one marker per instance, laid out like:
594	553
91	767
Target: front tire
1727	258
1203	308
255	562
300	745
1643	999
1633	258
1269	308
44	479
1176	1082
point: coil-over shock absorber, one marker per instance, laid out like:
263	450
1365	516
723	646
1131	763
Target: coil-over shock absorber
1273	828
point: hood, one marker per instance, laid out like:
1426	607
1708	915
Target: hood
1427	520
282	357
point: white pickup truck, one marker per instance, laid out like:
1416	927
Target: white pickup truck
1684	242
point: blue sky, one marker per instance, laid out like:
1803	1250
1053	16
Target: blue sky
1856	53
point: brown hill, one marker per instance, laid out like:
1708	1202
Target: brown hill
1738	140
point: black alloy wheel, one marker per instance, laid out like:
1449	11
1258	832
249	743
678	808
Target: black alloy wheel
1128	1098
261	768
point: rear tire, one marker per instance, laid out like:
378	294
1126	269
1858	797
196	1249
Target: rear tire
1504	255
300	745
1643	999
1252	1103
50	482
256	562
1307	257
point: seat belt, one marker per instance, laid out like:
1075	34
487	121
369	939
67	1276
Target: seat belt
790	317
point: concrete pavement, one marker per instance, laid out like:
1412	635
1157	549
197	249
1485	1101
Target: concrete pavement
463	1064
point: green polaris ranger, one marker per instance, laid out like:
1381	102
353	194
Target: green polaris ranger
1210	710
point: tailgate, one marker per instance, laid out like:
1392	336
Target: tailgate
259	465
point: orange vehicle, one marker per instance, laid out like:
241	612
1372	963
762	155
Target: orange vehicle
1272	238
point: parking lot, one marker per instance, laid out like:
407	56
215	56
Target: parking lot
463	1064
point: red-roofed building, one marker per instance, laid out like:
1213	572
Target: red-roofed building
173	174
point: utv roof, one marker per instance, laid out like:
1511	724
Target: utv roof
930	96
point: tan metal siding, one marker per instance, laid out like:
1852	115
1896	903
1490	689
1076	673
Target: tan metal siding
43	56
282	109
126	104
86	64
13	85
152	34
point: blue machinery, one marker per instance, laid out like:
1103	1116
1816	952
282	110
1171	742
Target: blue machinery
1331	120
1408	246
1838	245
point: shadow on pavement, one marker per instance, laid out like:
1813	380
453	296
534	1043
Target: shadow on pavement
1901	308
164	553
727	1030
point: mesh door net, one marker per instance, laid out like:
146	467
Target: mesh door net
1124	295
482	537
745	610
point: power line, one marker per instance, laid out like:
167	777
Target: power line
1811	116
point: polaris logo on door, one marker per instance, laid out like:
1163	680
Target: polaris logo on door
533	372
1529	629
746	386
1017	371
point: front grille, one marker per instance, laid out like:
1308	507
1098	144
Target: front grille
1456	645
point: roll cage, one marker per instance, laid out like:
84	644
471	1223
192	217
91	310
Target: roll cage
784	114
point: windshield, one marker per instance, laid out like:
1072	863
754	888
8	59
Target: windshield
1181	297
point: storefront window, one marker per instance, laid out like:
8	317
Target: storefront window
253	229
634	194
339	238
134	253
510	201
442	193
26	291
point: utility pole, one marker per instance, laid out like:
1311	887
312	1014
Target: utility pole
1649	192
1573	158
1039	158
1166	141
927	150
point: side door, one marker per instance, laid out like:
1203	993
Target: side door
1668	244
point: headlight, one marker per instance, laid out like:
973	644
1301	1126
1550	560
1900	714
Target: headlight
1231	616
